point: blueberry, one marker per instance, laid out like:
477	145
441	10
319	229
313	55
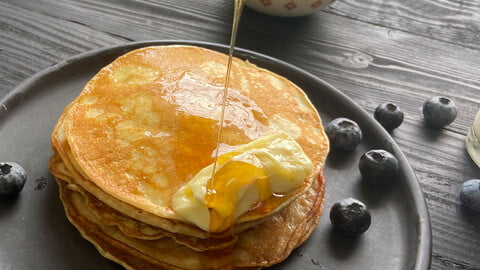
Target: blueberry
388	115
439	111
12	179
343	134
378	166
350	216
470	194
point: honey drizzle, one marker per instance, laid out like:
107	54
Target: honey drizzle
212	255
237	13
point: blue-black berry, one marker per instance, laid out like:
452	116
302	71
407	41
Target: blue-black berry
388	115
343	134
470	194
12	179
378	166
350	216
439	111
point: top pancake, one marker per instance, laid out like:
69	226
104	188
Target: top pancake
147	123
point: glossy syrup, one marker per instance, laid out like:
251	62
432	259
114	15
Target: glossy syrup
219	191
212	256
237	13
211	186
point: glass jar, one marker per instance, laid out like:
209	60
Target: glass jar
472	142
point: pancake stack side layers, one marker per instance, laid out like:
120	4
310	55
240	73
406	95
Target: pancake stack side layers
133	158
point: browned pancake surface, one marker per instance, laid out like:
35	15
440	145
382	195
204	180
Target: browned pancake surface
146	124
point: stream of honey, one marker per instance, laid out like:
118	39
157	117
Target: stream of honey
212	197
237	13
211	186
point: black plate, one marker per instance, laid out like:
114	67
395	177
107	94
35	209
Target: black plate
35	233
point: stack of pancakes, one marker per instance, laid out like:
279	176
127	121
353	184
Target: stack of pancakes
146	124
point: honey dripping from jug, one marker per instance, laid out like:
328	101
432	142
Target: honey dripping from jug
211	255
237	13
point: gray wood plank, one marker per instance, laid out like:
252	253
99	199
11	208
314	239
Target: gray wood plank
31	42
452	21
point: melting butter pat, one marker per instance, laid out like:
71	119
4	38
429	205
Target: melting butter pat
245	179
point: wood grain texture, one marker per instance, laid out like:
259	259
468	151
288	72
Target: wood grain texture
402	51
451	21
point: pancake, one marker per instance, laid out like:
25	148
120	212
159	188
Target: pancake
103	214
285	230
153	120
63	167
145	126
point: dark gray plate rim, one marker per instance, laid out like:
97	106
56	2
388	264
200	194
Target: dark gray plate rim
295	74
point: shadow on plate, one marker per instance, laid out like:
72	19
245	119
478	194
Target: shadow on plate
8	204
375	196
342	246
338	159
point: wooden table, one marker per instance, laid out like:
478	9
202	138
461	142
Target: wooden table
402	51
